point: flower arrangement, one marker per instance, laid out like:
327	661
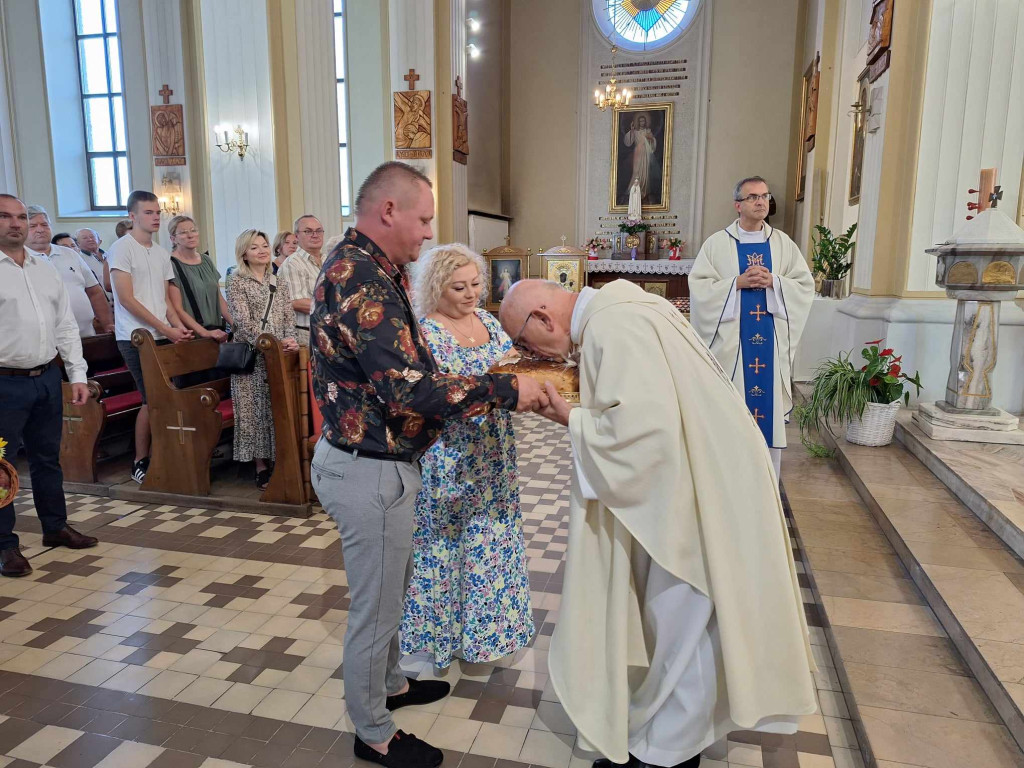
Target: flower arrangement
675	242
634	226
595	244
842	393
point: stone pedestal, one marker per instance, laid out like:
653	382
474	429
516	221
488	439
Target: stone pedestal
939	423
972	355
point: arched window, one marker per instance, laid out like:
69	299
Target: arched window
102	96
643	25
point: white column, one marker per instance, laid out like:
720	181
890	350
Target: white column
871	182
460	178
237	73
317	120
8	170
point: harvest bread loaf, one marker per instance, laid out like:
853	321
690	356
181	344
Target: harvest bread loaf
566	378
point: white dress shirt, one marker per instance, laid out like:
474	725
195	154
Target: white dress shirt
150	269
300	272
77	278
34	301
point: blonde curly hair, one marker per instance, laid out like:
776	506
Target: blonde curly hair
433	272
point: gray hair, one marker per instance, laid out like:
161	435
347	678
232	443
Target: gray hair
739	185
298	221
37	210
80	230
433	272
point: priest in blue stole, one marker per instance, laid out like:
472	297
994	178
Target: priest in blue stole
750	294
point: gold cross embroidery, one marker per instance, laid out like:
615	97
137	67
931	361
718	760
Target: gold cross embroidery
758	313
757	415
757	365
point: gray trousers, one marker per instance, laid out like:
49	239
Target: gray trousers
373	502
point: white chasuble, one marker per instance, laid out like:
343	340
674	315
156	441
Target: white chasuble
672	535
716	306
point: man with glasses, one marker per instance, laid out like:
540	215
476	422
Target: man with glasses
301	269
750	294
681	617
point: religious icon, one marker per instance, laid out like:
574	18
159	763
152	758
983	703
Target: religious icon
641	157
460	125
168	134
567	272
811	119
502	273
860	130
412	125
880	33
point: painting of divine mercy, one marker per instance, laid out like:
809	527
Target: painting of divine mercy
641	152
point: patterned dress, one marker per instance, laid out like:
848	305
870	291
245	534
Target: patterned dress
469	596
250	392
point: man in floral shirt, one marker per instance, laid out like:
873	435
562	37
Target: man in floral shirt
384	401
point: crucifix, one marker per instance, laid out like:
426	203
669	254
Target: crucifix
166	92
508	241
758	313
563	241
458	85
757	415
757	365
71	423
411	79
182	429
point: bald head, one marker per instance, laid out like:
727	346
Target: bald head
537	314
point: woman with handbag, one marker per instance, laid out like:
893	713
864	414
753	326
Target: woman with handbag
257	306
195	292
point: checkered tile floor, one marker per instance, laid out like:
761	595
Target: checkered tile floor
196	637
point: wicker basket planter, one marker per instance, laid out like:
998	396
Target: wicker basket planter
8	483
876	426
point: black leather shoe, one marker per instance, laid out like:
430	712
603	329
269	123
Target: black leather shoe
420	692
13	563
404	751
70	538
603	762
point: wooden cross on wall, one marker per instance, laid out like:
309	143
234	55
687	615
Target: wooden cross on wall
411	79
166	92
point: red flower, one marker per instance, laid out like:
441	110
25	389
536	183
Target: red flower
895	370
886	352
871	343
864	368
873	382
897	359
412	425
352	426
370	314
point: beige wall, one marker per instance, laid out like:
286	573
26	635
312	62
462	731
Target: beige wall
753	58
544	83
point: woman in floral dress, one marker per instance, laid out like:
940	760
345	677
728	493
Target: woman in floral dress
469	596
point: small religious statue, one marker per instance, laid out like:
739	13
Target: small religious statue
633	212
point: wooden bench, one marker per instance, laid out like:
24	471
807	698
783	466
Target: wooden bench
186	424
110	411
287	376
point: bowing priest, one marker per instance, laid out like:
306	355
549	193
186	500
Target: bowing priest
675	515
750	294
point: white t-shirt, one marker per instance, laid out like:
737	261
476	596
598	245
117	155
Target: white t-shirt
150	270
77	277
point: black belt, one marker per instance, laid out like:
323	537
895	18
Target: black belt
357	452
39	370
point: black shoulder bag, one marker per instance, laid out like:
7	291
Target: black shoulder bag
240	356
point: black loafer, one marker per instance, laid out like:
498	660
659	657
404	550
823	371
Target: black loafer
420	692
404	751
604	762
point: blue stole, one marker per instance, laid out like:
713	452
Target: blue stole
757	342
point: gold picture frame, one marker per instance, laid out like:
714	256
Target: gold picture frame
625	125
801	175
498	282
568	271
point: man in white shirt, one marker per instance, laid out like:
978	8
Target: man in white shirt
88	241
141	275
88	302
301	269
34	301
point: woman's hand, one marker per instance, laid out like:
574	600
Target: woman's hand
219	336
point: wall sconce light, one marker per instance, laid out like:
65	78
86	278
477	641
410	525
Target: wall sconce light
473	23
474	52
225	143
170	206
170	194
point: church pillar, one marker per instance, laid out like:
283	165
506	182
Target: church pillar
450	68
8	170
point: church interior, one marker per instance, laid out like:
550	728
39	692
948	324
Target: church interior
586	141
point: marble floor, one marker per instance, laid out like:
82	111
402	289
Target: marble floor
194	637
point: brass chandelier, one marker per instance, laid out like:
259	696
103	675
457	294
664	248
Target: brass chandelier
612	96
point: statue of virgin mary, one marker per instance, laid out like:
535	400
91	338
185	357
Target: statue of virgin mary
633	213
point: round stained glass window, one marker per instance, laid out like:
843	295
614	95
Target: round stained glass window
643	25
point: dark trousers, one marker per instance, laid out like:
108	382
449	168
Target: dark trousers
31	412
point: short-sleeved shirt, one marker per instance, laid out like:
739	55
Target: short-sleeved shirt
204	281
301	272
95	262
77	276
150	269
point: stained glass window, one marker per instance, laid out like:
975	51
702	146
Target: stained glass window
342	89
99	66
643	25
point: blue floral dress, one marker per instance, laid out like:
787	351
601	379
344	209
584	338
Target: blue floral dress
469	596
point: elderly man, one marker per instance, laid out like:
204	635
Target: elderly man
88	302
89	240
750	294
384	401
34	300
674	512
302	268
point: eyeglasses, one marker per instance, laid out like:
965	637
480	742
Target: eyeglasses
518	336
311	232
767	197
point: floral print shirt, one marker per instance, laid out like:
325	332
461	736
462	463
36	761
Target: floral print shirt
375	381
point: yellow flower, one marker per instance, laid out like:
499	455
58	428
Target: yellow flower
3	445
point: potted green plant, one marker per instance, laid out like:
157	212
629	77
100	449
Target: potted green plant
866	399
830	259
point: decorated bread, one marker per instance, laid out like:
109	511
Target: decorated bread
566	378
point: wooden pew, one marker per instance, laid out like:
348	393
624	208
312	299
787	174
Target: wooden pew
289	402
113	404
186	424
